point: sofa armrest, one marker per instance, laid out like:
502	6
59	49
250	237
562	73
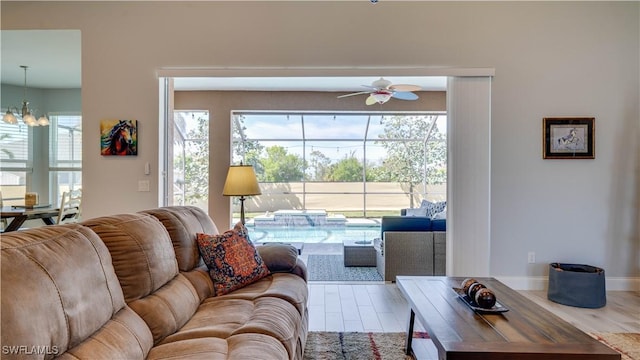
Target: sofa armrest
282	258
407	253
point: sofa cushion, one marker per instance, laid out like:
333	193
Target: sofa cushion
439	224
224	317
415	212
272	305
289	287
433	208
168	308
125	336
242	346
232	259
183	223
441	215
141	249
279	257
404	223
60	292
146	266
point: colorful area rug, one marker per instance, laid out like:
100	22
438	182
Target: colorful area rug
627	344
331	268
390	346
356	346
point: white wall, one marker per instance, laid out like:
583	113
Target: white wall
550	58
42	100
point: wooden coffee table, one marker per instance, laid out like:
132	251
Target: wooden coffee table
526	331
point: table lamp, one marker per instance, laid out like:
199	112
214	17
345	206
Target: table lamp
241	181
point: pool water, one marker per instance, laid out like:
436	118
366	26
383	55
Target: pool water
313	235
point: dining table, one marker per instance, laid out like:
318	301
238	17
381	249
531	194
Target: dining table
20	214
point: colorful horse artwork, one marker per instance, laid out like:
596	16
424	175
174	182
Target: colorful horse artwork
119	137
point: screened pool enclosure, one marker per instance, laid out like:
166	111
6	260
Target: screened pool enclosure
360	165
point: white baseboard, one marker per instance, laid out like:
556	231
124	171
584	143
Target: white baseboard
540	283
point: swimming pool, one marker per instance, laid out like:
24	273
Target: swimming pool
313	234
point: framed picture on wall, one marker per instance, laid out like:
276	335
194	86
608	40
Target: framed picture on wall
568	138
118	137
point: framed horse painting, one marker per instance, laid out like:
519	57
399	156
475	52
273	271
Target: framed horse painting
119	137
568	138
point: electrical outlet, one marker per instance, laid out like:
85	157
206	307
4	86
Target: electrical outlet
531	257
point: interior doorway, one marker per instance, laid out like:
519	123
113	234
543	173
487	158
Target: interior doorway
464	88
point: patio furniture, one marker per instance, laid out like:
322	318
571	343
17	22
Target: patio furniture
410	246
359	253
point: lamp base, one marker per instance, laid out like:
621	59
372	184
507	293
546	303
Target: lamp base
242	198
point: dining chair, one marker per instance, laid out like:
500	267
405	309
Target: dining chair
70	207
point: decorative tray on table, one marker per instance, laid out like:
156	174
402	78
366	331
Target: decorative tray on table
497	308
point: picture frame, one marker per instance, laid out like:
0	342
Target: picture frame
568	138
118	137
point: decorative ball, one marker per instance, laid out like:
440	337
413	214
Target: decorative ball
485	298
466	284
474	288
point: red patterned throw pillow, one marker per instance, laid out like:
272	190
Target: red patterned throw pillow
232	259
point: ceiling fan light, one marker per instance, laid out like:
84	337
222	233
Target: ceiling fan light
9	118
381	97
43	121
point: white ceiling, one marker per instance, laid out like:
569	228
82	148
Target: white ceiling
54	60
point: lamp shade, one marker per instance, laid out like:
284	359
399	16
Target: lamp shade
241	181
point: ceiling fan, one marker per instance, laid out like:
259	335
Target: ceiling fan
382	90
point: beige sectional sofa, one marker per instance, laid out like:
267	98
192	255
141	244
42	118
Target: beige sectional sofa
133	286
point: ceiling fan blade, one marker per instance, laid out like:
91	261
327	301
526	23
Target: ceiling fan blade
404	95
353	94
405	87
370	100
371	87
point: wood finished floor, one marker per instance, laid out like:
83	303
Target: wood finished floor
380	307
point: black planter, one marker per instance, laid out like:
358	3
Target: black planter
577	285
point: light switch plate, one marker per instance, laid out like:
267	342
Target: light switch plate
143	185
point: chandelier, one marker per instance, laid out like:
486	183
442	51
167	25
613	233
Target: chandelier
12	115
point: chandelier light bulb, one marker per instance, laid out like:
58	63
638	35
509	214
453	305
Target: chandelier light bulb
9	118
29	120
43	121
